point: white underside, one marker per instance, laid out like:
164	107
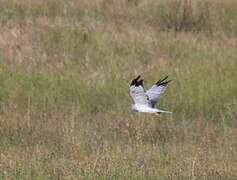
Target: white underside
147	109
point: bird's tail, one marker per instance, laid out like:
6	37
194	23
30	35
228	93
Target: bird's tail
161	111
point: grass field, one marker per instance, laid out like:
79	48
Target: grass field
65	70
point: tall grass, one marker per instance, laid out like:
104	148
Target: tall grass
64	89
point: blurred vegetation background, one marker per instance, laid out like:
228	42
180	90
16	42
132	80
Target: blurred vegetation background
65	70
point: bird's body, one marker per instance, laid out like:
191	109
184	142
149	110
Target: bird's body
145	101
145	109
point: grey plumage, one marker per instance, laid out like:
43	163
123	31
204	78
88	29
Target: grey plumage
145	101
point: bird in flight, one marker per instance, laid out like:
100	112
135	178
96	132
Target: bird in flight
145	101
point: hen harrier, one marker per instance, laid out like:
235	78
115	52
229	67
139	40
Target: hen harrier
145	101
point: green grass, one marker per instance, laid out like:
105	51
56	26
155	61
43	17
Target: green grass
65	70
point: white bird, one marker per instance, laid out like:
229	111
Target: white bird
145	101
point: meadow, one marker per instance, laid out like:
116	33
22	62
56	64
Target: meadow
65	70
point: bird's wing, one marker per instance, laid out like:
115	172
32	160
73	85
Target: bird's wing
138	93
156	90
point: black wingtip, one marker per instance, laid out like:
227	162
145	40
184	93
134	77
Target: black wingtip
162	79
136	82
138	77
163	82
